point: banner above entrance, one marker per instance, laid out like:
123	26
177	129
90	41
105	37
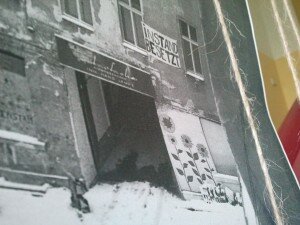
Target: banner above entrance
103	67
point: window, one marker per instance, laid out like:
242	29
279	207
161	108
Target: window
12	63
131	22
190	48
79	10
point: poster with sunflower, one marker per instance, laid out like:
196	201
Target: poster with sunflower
200	155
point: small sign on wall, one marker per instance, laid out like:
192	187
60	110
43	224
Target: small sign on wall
161	47
12	63
93	63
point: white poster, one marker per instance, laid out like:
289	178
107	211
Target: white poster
188	150
160	46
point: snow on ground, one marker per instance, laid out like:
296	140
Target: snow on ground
11	185
134	203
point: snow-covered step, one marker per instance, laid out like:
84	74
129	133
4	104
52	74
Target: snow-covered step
24	187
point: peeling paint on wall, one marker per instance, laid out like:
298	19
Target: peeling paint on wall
49	72
168	84
39	14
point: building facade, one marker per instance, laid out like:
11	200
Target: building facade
85	84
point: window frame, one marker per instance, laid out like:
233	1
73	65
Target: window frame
191	42
78	21
134	46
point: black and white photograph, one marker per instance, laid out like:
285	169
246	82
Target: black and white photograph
137	112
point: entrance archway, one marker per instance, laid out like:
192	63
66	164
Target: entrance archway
124	134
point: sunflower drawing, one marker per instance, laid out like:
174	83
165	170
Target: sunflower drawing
202	150
167	123
187	141
172	139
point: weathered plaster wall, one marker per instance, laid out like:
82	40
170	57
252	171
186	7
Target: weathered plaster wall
46	88
192	94
173	83
232	114
81	141
49	111
28	29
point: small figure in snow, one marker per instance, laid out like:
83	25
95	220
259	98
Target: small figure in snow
78	189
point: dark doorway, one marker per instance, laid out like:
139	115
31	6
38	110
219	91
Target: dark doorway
124	133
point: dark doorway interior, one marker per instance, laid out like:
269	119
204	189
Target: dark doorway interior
124	133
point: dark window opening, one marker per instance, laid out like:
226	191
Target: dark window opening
70	7
190	48
125	134
79	9
131	22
